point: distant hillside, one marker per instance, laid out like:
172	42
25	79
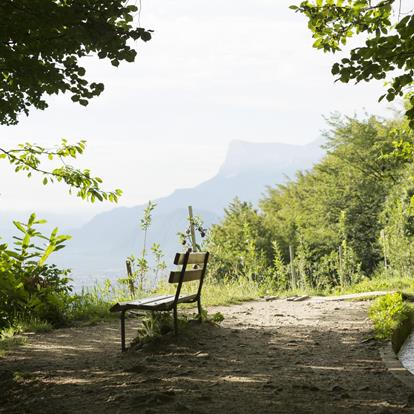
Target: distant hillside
99	248
245	173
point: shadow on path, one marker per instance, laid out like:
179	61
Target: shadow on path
293	362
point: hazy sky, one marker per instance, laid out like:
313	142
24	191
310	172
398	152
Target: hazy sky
214	71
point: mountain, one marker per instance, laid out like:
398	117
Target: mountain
99	248
247	170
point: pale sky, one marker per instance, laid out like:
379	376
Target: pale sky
215	71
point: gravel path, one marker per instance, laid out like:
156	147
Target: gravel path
313	356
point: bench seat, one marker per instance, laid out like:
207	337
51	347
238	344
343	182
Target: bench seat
158	303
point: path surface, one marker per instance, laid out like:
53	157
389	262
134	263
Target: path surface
267	357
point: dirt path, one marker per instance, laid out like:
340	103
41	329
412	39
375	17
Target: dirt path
267	357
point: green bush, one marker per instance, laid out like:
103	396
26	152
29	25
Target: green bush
29	288
387	313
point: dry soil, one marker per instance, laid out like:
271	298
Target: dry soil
312	356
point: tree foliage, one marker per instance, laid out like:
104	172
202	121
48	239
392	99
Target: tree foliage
42	43
340	199
42	46
387	51
237	244
332	217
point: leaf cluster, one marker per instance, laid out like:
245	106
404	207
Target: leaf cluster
29	288
185	237
387	313
387	51
30	158
42	43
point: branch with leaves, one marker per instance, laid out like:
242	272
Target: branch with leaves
387	53
43	41
29	158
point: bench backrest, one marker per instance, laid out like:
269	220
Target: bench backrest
196	270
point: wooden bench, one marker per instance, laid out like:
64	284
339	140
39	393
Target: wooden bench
170	302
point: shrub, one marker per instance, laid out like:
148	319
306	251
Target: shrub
387	313
29	288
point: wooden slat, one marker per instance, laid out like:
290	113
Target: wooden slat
158	303
166	303
153	303
189	275
187	298
134	304
193	258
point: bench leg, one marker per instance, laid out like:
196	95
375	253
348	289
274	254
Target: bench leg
175	321
199	309
123	348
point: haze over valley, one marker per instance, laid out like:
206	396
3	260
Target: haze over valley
99	246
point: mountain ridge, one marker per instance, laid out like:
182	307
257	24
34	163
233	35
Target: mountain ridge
99	247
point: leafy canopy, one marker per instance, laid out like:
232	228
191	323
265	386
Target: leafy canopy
332	225
387	51
42	42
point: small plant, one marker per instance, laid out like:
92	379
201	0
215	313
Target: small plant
160	264
138	267
185	238
154	325
157	324
217	318
280	271
387	313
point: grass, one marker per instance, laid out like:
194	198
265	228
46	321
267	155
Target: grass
157	324
381	282
228	293
89	308
302	292
92	306
9	340
35	325
389	311
215	293
8	344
